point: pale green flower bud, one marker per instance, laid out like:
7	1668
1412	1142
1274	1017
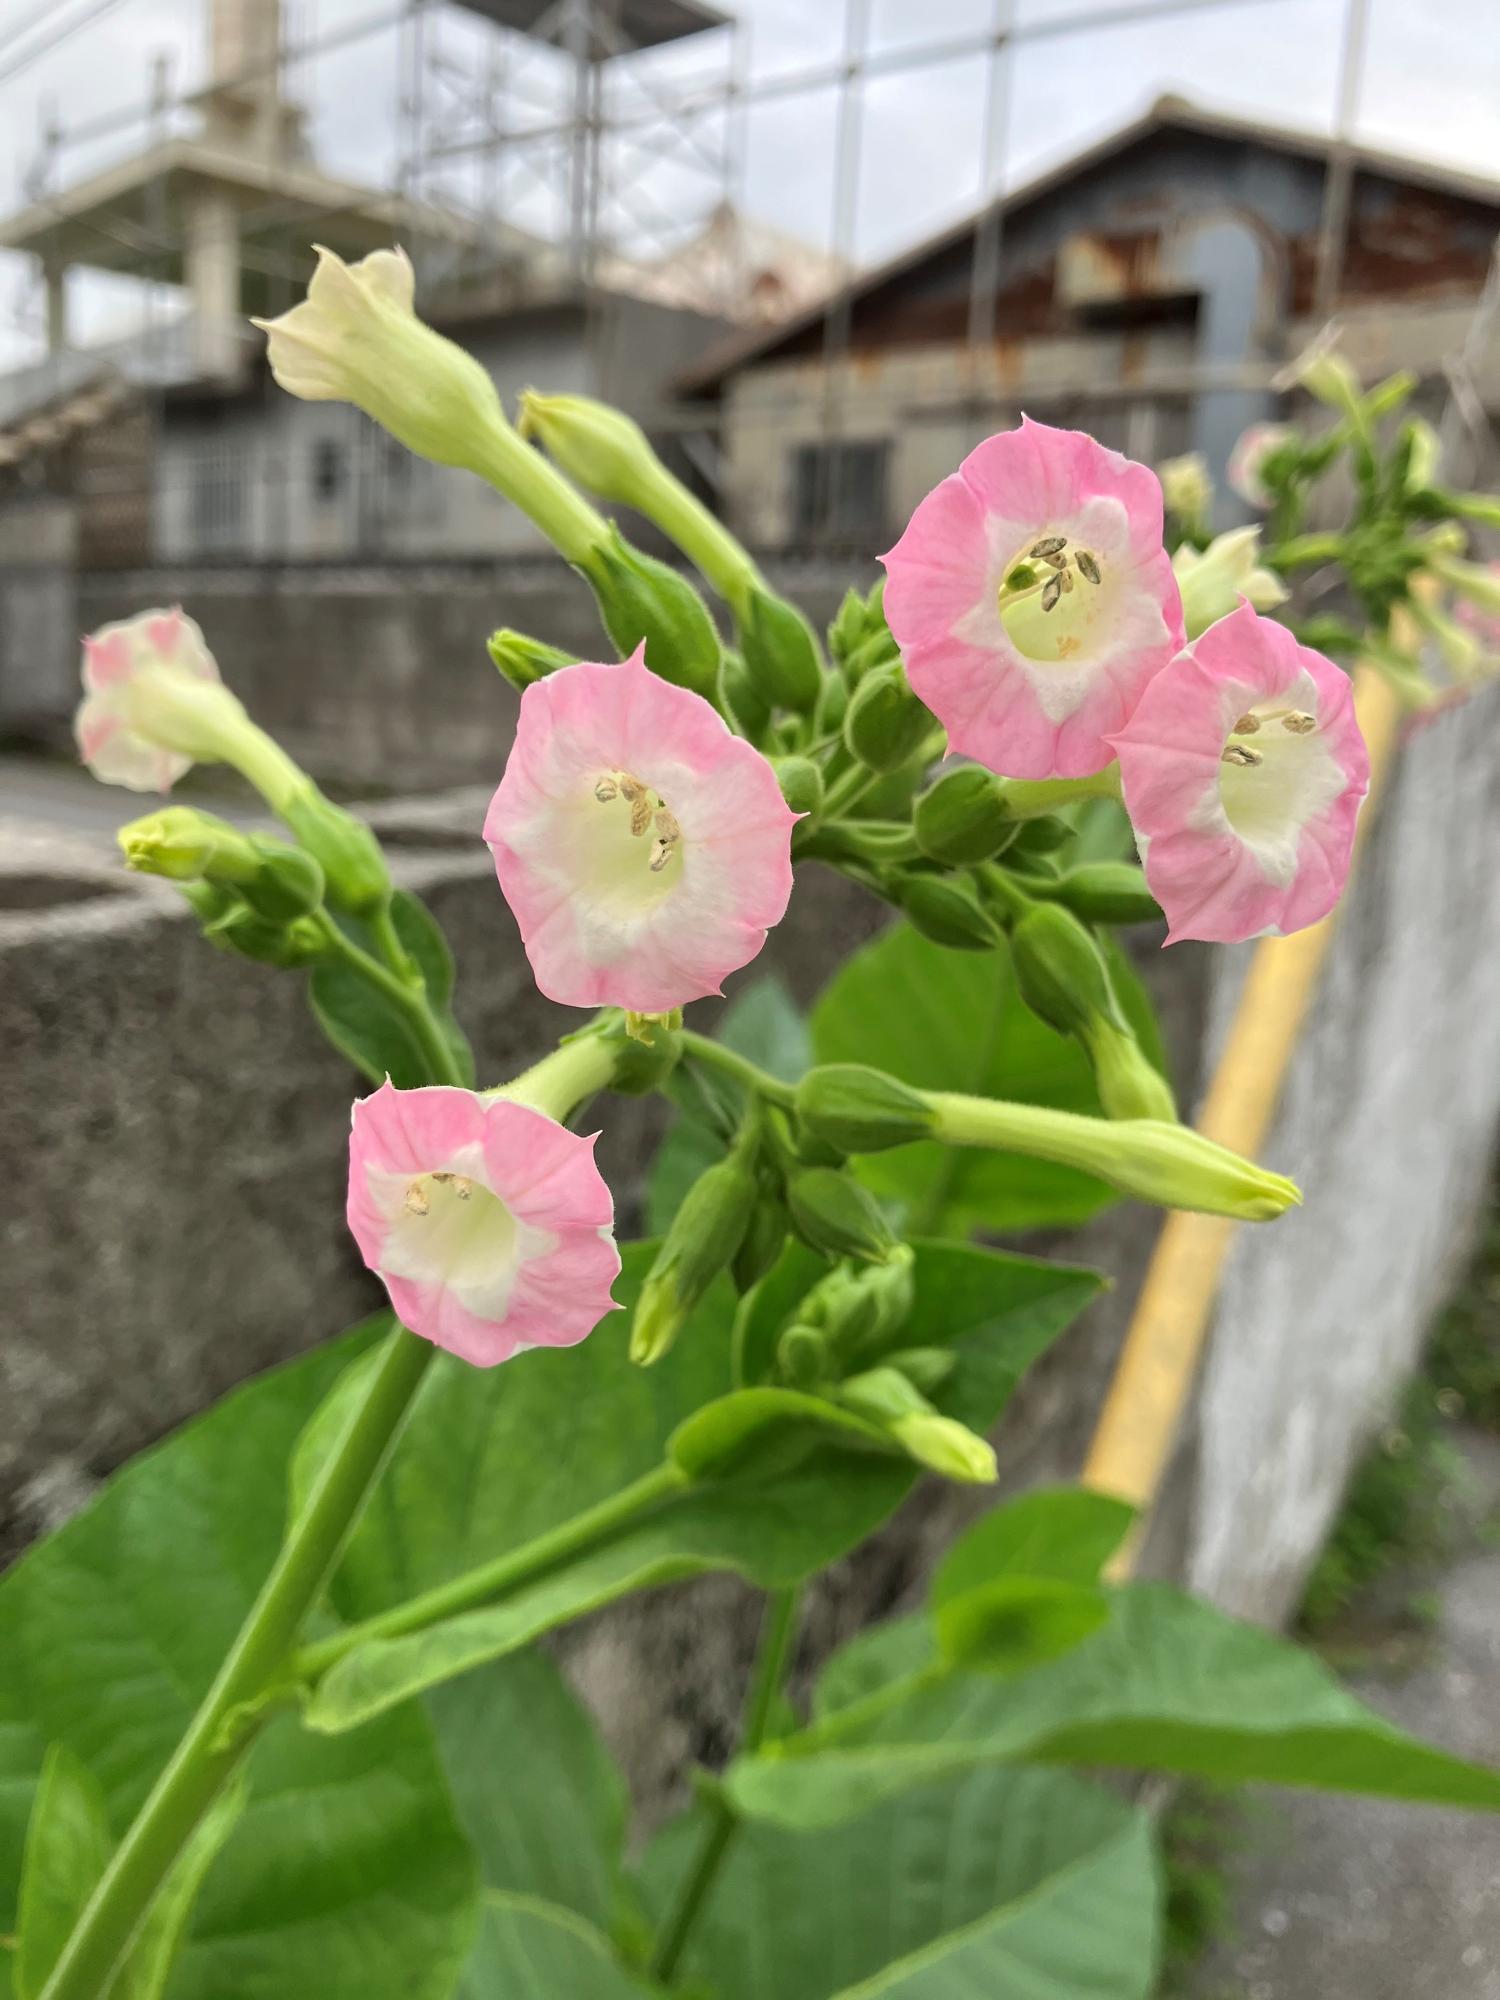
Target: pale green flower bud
1213	580
277	882
1128	1082
861	1110
885	723
802	1356
1186	487
705	1233
1154	1161
887	1397
780	652
946	909
832	1213
1475	581
963	817
1060	972
523	660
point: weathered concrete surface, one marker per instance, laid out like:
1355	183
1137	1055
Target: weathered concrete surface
1388	1122
1357	1899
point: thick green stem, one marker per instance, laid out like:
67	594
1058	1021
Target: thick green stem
504	458
575	1071
777	1639
494	1580
208	1753
747	1074
701	536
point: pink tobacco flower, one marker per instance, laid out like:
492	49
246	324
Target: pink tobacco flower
644	849
153	703
487	1222
1252	448
1242	770
1032	600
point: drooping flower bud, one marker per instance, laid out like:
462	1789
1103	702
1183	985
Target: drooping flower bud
1060	973
276	881
1166	1164
832	1213
860	1110
888	1398
884	723
801	783
645	602
229	924
963	817
1213	580
523	660
704	1236
946	909
780	652
487	1222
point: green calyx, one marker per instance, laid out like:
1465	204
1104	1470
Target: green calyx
860	1110
885	723
832	1213
706	1232
644	601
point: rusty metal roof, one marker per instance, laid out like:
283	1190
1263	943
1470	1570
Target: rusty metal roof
1169	113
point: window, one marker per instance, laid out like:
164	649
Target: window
839	493
328	470
218	489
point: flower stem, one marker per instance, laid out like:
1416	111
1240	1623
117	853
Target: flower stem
1031	798
212	1746
494	1580
778	1635
747	1074
409	993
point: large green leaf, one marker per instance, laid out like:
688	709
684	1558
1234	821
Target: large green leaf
532	1950
952	1020
68	1846
372	1031
763	1023
1167	1684
490	1461
347	1875
1064	1532
536	1791
994	1879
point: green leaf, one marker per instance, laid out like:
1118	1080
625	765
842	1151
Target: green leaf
973	1879
762	1022
146	1970
1017	1622
1064	1532
535	1789
1167	1684
532	1950
760	1431
68	1846
347	1873
952	1020
491	1461
370	1029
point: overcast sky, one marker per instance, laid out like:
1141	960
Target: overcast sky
1431	86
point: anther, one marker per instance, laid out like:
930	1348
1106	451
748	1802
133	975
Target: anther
605	790
1049	545
1299	722
1247	724
1241	753
462	1186
1087	565
1053	591
416	1199
661	854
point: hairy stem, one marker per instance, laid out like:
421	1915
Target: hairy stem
778	1636
714	1055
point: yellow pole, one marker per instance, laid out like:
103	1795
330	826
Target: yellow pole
1154	1375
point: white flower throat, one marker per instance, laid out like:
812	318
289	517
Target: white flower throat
1276	773
448	1227
1054	593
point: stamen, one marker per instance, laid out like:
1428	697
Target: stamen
416	1199
1049	545
1056	561
462	1186
1299	722
661	854
1053	592
1087	565
1247	724
640	814
606	790
1241	753
1067	581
